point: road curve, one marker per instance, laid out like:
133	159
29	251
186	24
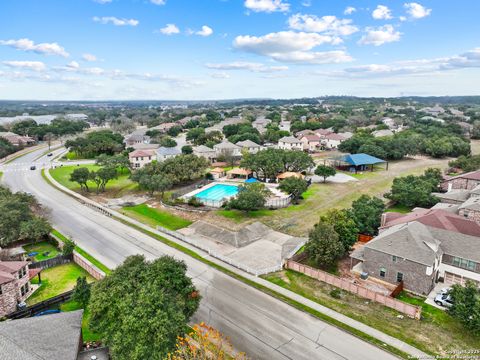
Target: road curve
256	323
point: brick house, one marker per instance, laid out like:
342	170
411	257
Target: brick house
467	181
420	255
14	285
140	158
310	142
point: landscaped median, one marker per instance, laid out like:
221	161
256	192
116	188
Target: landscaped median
257	283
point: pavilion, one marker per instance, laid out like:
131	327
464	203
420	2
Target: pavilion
357	162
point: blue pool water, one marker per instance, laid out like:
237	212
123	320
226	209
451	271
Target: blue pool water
218	192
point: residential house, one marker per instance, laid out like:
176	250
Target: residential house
467	181
434	111
249	145
143	146
290	143
331	141
14	285
164	127
285	125
139	136
17	140
55	336
302	133
419	256
140	158
311	143
204	151
226	148
382	133
389	122
164	153
323	132
260	124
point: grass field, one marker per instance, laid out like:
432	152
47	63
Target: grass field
436	332
399	209
42	248
115	188
155	217
57	280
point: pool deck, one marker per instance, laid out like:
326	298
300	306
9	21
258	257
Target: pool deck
203	188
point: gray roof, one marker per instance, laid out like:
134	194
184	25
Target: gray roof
247	143
226	145
458	244
202	149
165	151
412	241
471	204
454	195
289	139
55	336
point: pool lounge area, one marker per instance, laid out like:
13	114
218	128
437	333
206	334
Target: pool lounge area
214	194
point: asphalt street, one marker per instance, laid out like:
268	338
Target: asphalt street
256	323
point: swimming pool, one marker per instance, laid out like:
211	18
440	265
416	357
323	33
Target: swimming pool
218	192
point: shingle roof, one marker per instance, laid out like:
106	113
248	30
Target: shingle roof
471	204
289	139
168	151
202	148
311	137
473	175
247	143
145	152
55	336
226	145
459	195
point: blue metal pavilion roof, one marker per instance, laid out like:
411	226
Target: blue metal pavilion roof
361	159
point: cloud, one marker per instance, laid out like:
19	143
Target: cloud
42	48
220	75
380	35
250	66
327	24
170	29
382	12
103	1
89	57
158	2
349	10
206	31
267	6
116	21
417	11
466	60
290	46
73	65
28	65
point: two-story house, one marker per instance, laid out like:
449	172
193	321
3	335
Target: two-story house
140	158
249	145
290	143
311	143
226	148
14	285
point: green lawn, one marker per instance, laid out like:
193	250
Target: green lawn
435	333
155	217
239	216
42	248
399	209
57	280
87	334
116	187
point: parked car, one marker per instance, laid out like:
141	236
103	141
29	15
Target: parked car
50	154
33	167
445	290
444	300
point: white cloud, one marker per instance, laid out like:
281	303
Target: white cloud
158	2
29	65
89	57
290	46
206	31
42	48
250	66
103	1
417	11
93	71
73	65
349	10
170	29
267	6
116	21
380	35
382	12
328	24
220	75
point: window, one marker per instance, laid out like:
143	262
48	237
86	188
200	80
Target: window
464	263
383	272
24	289
399	277
394	258
1	290
22	272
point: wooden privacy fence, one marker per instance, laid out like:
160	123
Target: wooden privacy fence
41	306
407	309
45	264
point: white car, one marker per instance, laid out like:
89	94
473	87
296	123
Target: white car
445	290
444	300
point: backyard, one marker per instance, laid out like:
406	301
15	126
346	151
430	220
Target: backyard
435	333
155	217
57	280
115	188
44	250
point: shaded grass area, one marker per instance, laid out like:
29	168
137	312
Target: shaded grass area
155	217
239	216
399	209
116	187
57	280
45	249
82	252
87	334
435	333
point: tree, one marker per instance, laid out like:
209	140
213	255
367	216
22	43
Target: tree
68	247
120	161
367	212
156	182
106	174
81	176
344	225
187	149
81	292
325	171
142	307
466	305
294	186
323	246
250	197
167	141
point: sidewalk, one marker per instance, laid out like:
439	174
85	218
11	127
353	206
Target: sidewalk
387	339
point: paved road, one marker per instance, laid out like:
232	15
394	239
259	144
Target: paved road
258	324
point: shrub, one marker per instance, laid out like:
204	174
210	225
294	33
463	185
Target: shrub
336	293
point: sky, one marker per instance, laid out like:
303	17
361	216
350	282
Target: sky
230	49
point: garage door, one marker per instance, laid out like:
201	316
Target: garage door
456	279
